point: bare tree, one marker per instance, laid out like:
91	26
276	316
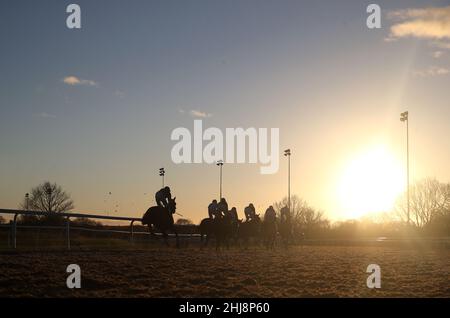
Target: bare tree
184	222
304	217
48	197
429	199
297	206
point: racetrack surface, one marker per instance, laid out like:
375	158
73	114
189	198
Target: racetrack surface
308	271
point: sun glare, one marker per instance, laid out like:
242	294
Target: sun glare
371	182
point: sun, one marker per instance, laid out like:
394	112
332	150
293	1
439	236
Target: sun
371	182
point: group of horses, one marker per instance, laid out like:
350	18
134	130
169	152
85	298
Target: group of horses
228	231
225	230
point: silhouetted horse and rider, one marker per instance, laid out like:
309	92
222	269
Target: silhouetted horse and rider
221	224
225	226
251	228
285	226
161	215
269	228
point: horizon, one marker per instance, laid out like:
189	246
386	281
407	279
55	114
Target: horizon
93	109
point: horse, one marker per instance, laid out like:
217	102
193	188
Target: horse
162	219
221	228
269	232
250	229
285	229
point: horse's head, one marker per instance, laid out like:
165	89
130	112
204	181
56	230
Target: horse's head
172	206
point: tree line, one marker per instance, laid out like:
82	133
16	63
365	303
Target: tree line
429	213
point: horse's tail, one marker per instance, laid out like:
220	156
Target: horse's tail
204	224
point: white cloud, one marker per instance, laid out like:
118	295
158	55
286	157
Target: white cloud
428	23
195	113
199	114
437	54
431	72
73	80
45	115
390	39
119	94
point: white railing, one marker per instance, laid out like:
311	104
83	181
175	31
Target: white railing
13	225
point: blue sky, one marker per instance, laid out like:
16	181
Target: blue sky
311	68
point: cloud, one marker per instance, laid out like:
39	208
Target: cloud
45	115
437	54
73	80
199	114
427	23
431	72
195	113
119	94
390	39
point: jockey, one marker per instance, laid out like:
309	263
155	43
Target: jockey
270	215
213	209
222	207
285	214
233	215
163	196
250	212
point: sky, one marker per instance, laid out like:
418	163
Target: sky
92	109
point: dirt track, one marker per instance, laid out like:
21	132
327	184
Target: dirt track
310	271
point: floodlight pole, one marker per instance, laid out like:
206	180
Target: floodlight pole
27	201
287	153
162	172
407	165
220	164
289	183
405	117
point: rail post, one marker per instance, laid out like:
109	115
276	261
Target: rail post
13	226
68	232
10	233
131	231
14	230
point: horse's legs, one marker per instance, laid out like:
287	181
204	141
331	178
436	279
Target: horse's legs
274	236
165	236
226	240
236	237
176	238
150	230
265	238
202	240
218	241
